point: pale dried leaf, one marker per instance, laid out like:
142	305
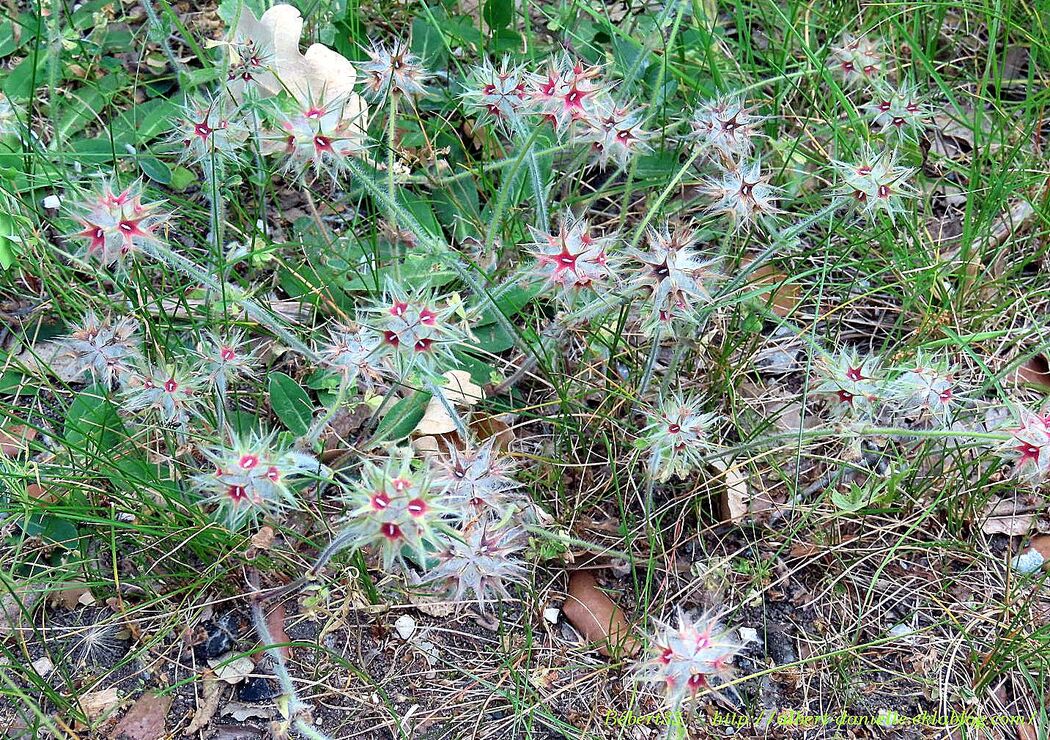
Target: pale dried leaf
234	671
15	438
209	704
1007	516
98	704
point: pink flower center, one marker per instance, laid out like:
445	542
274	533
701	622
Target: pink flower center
237	494
170	385
380	500
417	507
391	531
227	354
248	462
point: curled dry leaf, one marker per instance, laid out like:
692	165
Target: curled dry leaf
1034	371
98	704
597	617
460	390
275	623
207	705
782	296
735	494
146	718
15	438
1009	516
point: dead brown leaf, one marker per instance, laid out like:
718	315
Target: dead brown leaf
15	438
146	718
98	704
782	296
208	705
275	622
1009	516
1034	371
491	426
597	617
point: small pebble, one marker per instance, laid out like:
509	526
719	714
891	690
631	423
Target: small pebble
405	626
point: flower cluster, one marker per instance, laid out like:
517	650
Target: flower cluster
395	509
477	480
394	70
923	390
857	59
115	225
481	560
897	110
1029	446
172	393
208	132
355	354
671	276
416	331
571	95
677	436
744	194
728	126
107	349
695	655
573	259
875	182
254	478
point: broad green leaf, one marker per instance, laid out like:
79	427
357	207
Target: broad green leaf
291	404
498	13
402	418
93	424
52	529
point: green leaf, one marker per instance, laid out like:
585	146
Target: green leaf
51	529
20	81
93	424
494	338
291	404
402	418
14	382
498	13
155	170
7	242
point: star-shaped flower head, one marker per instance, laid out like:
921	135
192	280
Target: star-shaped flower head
477	480
481	564
208	131
685	658
172	393
671	275
225	358
727	125
677	436
899	111
574	258
394	70
744	194
1029	446
417	331
355	353
317	136
254	478
857	59
255	47
852	383
615	133
874	182
107	349
927	389
117	224
566	91
395	509
496	95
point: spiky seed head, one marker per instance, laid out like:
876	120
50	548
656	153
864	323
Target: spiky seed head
615	133
394	509
566	91
317	136
394	70
496	95
857	59
252	477
1029	446
116	224
208	130
745	195
727	125
228	357
108	349
477	479
927	389
685	658
574	258
355	353
677	436
897	110
852	383
173	393
875	182
480	561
